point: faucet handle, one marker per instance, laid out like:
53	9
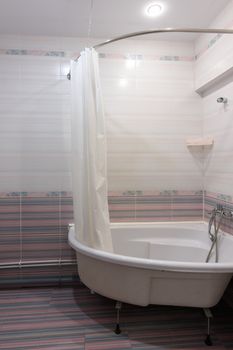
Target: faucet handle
227	213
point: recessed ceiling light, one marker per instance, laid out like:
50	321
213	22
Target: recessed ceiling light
154	9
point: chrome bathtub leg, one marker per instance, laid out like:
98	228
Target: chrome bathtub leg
208	315
118	308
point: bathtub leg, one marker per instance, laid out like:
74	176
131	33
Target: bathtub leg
118	308
208	315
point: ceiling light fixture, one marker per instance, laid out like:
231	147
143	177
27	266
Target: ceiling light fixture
153	10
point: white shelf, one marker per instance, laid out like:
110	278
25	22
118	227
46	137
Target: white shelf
200	142
215	83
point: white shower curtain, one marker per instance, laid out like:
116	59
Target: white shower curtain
89	176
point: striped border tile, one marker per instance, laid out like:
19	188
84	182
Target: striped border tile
141	57
34	228
208	46
72	55
34	225
145	206
10	234
40	227
66	217
187	206
122	206
154	206
25	52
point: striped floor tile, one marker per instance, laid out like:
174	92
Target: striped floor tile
66	318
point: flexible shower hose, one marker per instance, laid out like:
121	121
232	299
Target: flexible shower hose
215	241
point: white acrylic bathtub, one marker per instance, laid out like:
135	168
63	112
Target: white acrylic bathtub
157	263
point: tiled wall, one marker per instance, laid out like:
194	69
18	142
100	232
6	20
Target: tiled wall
151	108
35	124
218	179
214	52
218	122
217	118
211	201
34	225
146	206
150	104
33	228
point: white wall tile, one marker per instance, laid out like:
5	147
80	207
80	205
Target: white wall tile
218	122
165	181
35	182
148	119
215	59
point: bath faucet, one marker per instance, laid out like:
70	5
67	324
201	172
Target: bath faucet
218	211
227	213
221	212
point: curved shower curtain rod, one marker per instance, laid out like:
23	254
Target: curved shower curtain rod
157	31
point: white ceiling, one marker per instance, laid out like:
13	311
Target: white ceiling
107	18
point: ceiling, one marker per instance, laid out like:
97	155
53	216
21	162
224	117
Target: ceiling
101	18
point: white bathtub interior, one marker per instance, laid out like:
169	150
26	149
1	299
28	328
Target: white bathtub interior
185	242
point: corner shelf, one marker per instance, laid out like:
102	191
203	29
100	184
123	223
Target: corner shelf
200	142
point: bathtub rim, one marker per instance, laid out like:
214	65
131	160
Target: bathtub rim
152	264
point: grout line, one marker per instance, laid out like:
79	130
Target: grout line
20	227
21	237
